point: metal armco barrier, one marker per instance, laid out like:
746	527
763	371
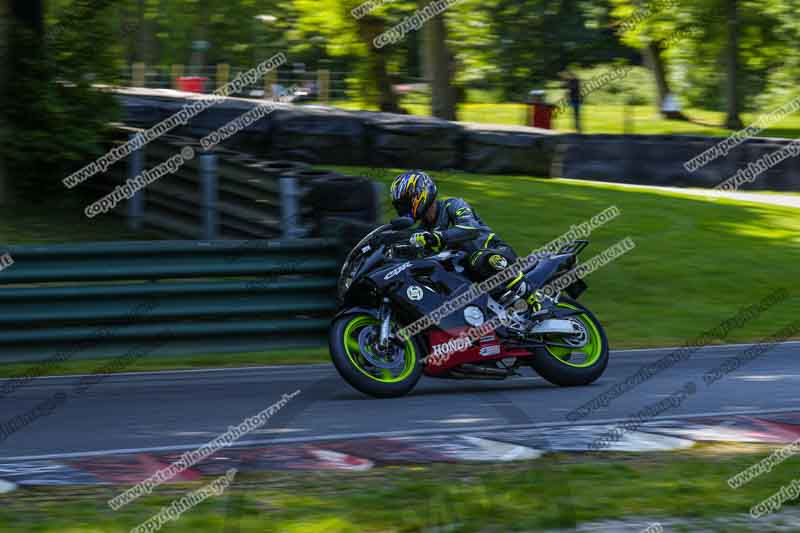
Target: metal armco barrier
217	195
83	301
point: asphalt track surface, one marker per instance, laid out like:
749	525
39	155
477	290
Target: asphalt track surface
179	410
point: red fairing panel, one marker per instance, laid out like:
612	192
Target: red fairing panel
450	349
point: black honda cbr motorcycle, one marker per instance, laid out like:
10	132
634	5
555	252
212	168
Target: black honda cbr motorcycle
387	286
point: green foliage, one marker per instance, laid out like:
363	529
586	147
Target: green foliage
58	121
503	48
695	61
534	40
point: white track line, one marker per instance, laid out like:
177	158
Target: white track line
406	433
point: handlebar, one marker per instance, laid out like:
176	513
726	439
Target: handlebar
405	251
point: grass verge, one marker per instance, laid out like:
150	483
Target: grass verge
285	357
557	491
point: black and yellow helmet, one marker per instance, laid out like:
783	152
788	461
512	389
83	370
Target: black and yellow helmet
413	193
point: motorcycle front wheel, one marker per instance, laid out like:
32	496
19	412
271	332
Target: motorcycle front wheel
355	351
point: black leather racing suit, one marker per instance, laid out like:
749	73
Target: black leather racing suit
462	229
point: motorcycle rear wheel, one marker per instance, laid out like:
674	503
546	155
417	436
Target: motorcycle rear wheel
557	365
354	359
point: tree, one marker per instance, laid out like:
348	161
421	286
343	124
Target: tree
438	66
369	27
5	23
732	120
651	27
59	121
351	38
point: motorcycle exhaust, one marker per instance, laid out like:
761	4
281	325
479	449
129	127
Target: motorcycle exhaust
468	371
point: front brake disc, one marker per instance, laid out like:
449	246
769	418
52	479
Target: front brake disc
367	344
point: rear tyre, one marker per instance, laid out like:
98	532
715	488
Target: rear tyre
571	367
353	345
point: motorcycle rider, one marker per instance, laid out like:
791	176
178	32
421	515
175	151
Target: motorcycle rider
454	224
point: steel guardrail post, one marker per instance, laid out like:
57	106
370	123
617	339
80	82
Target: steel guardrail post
136	163
208	184
290	208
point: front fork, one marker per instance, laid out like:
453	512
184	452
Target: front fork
385	315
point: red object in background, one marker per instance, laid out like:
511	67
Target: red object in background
192	84
541	116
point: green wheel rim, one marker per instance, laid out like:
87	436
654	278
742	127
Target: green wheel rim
353	351
593	349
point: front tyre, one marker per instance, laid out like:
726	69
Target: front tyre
353	343
583	362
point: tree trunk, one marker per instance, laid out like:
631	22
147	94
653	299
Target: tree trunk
655	62
29	13
142	40
732	120
439	64
198	61
20	54
369	27
5	25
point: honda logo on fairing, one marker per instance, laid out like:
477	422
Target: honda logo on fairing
397	271
452	346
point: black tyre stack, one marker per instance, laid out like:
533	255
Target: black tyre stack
346	207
